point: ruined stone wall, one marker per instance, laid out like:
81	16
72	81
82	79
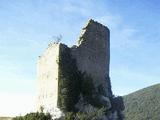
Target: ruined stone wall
59	66
93	53
47	73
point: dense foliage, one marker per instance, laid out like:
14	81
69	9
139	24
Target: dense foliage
34	116
143	104
72	82
95	115
69	81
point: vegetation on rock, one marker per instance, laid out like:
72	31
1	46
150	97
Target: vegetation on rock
95	115
69	81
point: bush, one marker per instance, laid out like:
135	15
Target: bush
34	116
95	115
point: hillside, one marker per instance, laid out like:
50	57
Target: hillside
5	118
143	104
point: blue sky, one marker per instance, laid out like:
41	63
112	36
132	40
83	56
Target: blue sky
28	26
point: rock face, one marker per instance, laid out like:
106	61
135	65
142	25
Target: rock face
77	78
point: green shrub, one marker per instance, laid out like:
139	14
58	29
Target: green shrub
95	115
69	81
34	116
72	82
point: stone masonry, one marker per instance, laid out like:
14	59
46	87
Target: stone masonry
47	72
92	55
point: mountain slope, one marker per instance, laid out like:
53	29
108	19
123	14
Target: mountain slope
143	104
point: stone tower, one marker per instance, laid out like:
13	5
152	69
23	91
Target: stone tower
47	72
91	55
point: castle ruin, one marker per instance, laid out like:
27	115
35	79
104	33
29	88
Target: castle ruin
60	64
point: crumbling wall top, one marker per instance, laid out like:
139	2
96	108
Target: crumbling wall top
50	46
91	26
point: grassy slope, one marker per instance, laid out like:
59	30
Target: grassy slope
143	104
5	118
